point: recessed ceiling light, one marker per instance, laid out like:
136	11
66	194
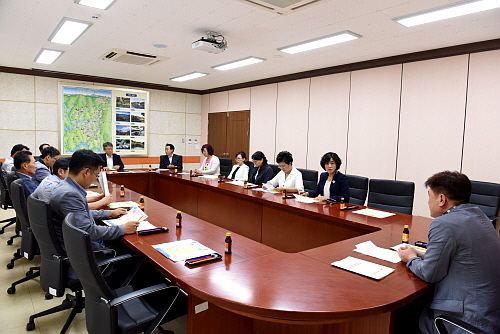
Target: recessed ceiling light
68	30
238	63
160	46
316	43
446	12
99	4
189	76
46	56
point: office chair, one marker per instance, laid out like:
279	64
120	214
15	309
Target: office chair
358	189
6	202
225	166
29	246
56	273
112	311
275	169
249	164
11	177
486	196
391	195
441	320
310	178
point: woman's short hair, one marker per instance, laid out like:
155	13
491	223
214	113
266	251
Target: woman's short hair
284	156
243	155
327	157
258	155
210	149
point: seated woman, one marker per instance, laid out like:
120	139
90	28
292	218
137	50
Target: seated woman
240	170
211	164
332	183
289	177
261	172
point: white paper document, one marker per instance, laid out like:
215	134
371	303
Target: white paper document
370	249
144	225
91	193
236	183
134	214
183	173
401	245
305	199
183	249
374	213
363	267
210	176
103	181
127	204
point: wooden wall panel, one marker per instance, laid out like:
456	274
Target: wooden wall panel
481	157
373	122
328	118
239	99
432	121
292	120
263	120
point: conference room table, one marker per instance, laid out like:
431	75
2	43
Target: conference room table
279	277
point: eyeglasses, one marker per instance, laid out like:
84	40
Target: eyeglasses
282	166
96	175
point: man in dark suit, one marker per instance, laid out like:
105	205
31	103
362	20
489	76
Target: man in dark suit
110	160
170	160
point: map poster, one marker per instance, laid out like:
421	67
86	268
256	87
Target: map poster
91	116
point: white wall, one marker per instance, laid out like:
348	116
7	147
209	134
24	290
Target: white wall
403	122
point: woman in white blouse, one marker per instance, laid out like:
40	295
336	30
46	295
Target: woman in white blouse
240	170
289	177
211	164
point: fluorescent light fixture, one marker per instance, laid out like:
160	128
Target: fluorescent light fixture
238	63
316	43
189	76
68	30
46	56
99	4
446	12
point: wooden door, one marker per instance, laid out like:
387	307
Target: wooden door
229	133
217	133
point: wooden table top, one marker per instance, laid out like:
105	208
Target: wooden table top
261	282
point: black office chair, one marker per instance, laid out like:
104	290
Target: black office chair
6	202
11	177
249	164
275	169
358	189
310	178
56	273
109	311
225	166
486	196
441	320
391	195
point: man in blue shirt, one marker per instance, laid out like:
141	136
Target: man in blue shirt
26	168
43	166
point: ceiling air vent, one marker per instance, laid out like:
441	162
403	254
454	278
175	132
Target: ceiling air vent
130	57
282	7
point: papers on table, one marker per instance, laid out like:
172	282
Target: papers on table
183	173
210	176
183	249
369	248
127	204
91	193
305	199
144	225
401	245
103	181
236	182
364	268
134	214
374	213
266	191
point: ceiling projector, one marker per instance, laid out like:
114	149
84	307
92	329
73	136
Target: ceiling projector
213	43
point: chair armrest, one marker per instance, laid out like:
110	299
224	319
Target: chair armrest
441	319
115	259
139	293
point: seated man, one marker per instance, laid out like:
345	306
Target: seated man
60	171
43	166
26	167
170	160
110	159
40	148
461	258
70	196
9	161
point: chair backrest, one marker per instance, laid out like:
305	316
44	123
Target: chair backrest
310	178
225	166
358	189
29	246
10	177
249	164
486	196
275	168
454	323
81	256
391	195
54	265
4	191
